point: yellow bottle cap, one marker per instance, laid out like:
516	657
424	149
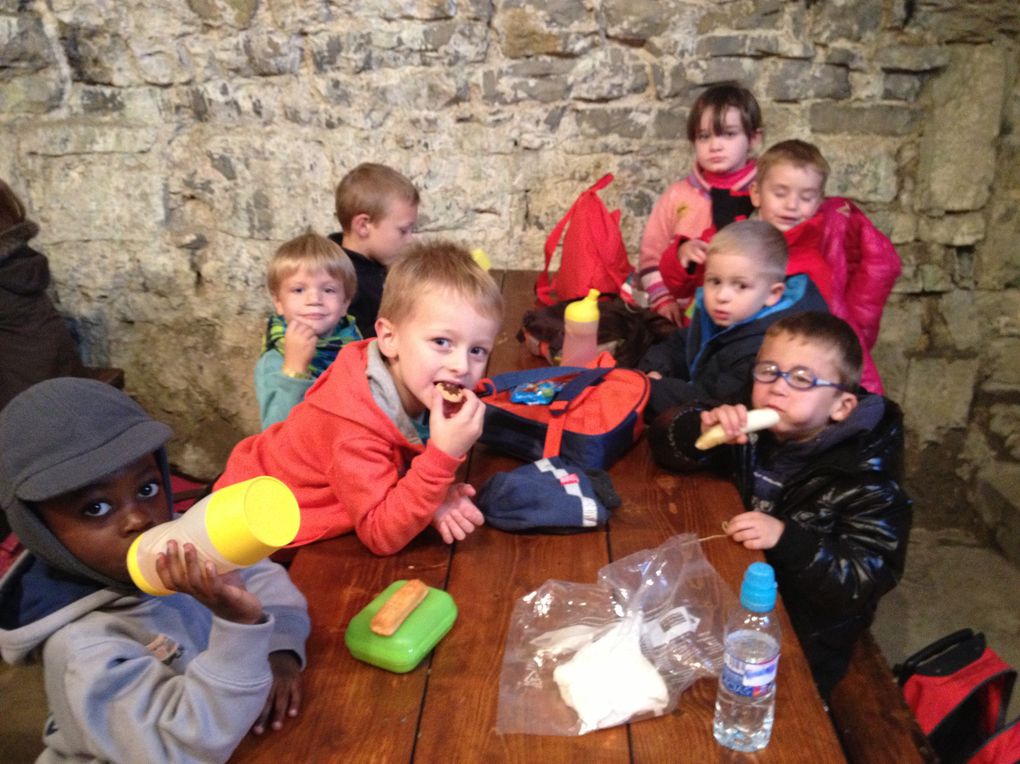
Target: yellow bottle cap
250	520
481	258
585	309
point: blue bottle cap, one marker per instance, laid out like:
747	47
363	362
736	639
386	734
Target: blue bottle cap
758	591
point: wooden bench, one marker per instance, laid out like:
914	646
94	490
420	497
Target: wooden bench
871	716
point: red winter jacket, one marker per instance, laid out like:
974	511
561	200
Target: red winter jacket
860	268
348	464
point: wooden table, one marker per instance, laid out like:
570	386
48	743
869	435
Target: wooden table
445	710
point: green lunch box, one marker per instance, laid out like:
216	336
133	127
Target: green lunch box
403	650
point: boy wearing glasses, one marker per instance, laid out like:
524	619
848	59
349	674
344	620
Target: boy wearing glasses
822	485
746	289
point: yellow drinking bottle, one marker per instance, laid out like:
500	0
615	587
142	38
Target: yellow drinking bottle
233	527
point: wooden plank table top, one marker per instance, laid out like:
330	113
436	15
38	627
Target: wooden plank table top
445	709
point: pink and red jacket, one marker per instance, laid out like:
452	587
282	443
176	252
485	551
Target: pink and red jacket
853	264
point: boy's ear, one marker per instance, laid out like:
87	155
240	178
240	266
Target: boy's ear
755	194
277	304
843	406
775	293
386	337
359	224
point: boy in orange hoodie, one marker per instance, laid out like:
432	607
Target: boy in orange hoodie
370	448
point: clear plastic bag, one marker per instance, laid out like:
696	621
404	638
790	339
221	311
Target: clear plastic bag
581	657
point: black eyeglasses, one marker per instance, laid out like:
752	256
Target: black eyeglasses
799	377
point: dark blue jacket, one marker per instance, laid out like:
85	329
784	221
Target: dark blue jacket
371	276
705	363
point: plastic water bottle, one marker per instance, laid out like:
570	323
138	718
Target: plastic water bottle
581	330
746	701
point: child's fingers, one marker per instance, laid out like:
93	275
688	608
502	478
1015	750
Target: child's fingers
294	697
457	526
280	704
444	531
163	571
473	410
175	566
260	723
472	514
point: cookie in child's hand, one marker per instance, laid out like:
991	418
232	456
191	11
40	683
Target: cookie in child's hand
453	397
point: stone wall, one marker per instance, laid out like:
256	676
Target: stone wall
166	148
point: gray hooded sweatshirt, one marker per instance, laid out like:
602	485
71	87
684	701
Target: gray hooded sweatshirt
129	677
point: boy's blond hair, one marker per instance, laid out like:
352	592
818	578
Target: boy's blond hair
796	152
438	266
313	253
828	331
369	188
757	240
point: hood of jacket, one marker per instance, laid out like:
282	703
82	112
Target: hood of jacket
23	271
36	600
61	434
363	359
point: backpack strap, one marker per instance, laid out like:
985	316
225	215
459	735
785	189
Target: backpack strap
509	380
571	395
1001	747
955	660
543	285
566	399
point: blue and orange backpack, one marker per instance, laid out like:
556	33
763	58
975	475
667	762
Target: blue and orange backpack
591	422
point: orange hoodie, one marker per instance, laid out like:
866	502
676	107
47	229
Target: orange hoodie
347	462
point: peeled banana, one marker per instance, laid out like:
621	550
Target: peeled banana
757	419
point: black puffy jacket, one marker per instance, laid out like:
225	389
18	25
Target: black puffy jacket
847	523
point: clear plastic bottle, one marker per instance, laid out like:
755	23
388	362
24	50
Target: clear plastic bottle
581	330
233	527
746	701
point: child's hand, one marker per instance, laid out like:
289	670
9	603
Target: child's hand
670	309
285	695
455	435
298	347
730	418
654	375
755	530
692	251
224	595
458	515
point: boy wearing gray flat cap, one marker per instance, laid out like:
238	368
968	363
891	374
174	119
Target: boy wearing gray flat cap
130	677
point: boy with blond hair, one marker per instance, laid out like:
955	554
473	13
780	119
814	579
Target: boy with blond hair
822	486
853	264
370	448
787	192
377	208
311	281
746	290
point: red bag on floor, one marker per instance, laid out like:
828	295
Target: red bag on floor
593	253
959	690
